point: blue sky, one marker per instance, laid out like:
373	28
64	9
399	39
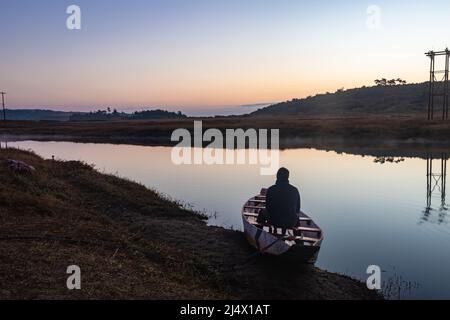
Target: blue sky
196	55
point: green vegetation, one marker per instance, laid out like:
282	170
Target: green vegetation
109	115
389	96
385	98
37	115
392	82
99	115
389	132
130	244
383	118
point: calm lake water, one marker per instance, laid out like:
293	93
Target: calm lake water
372	213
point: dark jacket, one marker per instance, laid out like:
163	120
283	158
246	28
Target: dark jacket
283	204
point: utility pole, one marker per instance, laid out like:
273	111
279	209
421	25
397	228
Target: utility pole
4	114
3	104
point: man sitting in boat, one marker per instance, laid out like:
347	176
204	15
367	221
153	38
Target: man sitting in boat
282	203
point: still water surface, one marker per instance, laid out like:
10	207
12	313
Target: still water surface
372	213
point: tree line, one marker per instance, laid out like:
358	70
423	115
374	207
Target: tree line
391	82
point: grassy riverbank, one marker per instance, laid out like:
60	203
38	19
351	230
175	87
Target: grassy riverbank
130	243
325	132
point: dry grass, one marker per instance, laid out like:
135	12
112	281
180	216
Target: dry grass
130	244
295	131
65	214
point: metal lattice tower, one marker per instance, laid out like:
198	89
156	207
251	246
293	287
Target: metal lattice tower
436	183
439	86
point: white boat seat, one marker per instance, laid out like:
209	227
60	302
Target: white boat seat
251	214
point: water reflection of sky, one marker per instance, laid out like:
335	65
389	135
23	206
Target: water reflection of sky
371	213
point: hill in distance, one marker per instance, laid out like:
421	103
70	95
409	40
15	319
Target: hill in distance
108	115
37	115
100	115
394	99
381	99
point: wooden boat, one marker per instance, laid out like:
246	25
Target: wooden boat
301	244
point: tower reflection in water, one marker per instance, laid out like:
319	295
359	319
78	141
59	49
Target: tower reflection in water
436	189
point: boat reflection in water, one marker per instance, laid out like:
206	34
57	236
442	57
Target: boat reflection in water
436	189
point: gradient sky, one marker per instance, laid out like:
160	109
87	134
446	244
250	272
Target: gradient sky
193	55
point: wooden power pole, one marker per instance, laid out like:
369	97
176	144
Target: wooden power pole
4	114
3	104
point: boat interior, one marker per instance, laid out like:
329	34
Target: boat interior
307	233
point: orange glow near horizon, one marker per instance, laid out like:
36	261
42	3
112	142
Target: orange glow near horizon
207	55
197	93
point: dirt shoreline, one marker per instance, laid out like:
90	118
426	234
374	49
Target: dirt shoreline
131	244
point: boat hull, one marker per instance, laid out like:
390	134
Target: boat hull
268	242
287	250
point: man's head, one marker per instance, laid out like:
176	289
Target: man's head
283	174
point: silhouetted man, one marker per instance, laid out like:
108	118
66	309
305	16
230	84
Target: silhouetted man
283	202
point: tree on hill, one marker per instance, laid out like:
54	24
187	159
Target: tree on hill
381	82
391	82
